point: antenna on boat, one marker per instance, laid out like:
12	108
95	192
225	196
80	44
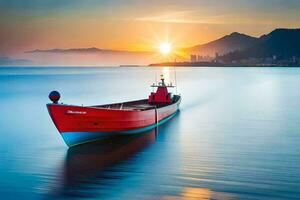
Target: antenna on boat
175	78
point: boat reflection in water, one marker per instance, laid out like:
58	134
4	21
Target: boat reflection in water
89	164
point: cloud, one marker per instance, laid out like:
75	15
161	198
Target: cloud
198	17
187	17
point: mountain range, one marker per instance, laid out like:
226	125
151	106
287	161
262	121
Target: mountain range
284	43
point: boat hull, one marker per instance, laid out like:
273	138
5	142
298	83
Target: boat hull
78	124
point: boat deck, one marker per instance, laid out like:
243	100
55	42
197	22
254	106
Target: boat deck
132	105
136	105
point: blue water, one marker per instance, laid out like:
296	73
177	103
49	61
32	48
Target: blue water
237	136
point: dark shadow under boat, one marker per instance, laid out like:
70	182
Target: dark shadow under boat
87	164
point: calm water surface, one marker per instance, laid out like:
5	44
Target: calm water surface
237	136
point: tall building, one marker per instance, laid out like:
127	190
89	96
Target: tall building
199	58
193	58
216	57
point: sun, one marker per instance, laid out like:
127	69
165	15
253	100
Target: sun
165	48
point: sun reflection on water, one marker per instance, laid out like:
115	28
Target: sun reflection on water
190	193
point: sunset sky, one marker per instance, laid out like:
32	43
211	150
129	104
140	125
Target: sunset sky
135	25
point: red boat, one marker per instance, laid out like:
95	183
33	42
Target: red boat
81	124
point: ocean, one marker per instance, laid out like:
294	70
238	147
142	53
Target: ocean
237	135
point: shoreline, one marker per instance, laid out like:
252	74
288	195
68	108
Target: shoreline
216	64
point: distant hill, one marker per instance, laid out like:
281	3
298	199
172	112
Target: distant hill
234	41
283	43
89	56
13	61
82	50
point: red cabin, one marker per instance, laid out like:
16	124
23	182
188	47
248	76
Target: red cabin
161	96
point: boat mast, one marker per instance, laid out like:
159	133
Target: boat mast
175	75
175	78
